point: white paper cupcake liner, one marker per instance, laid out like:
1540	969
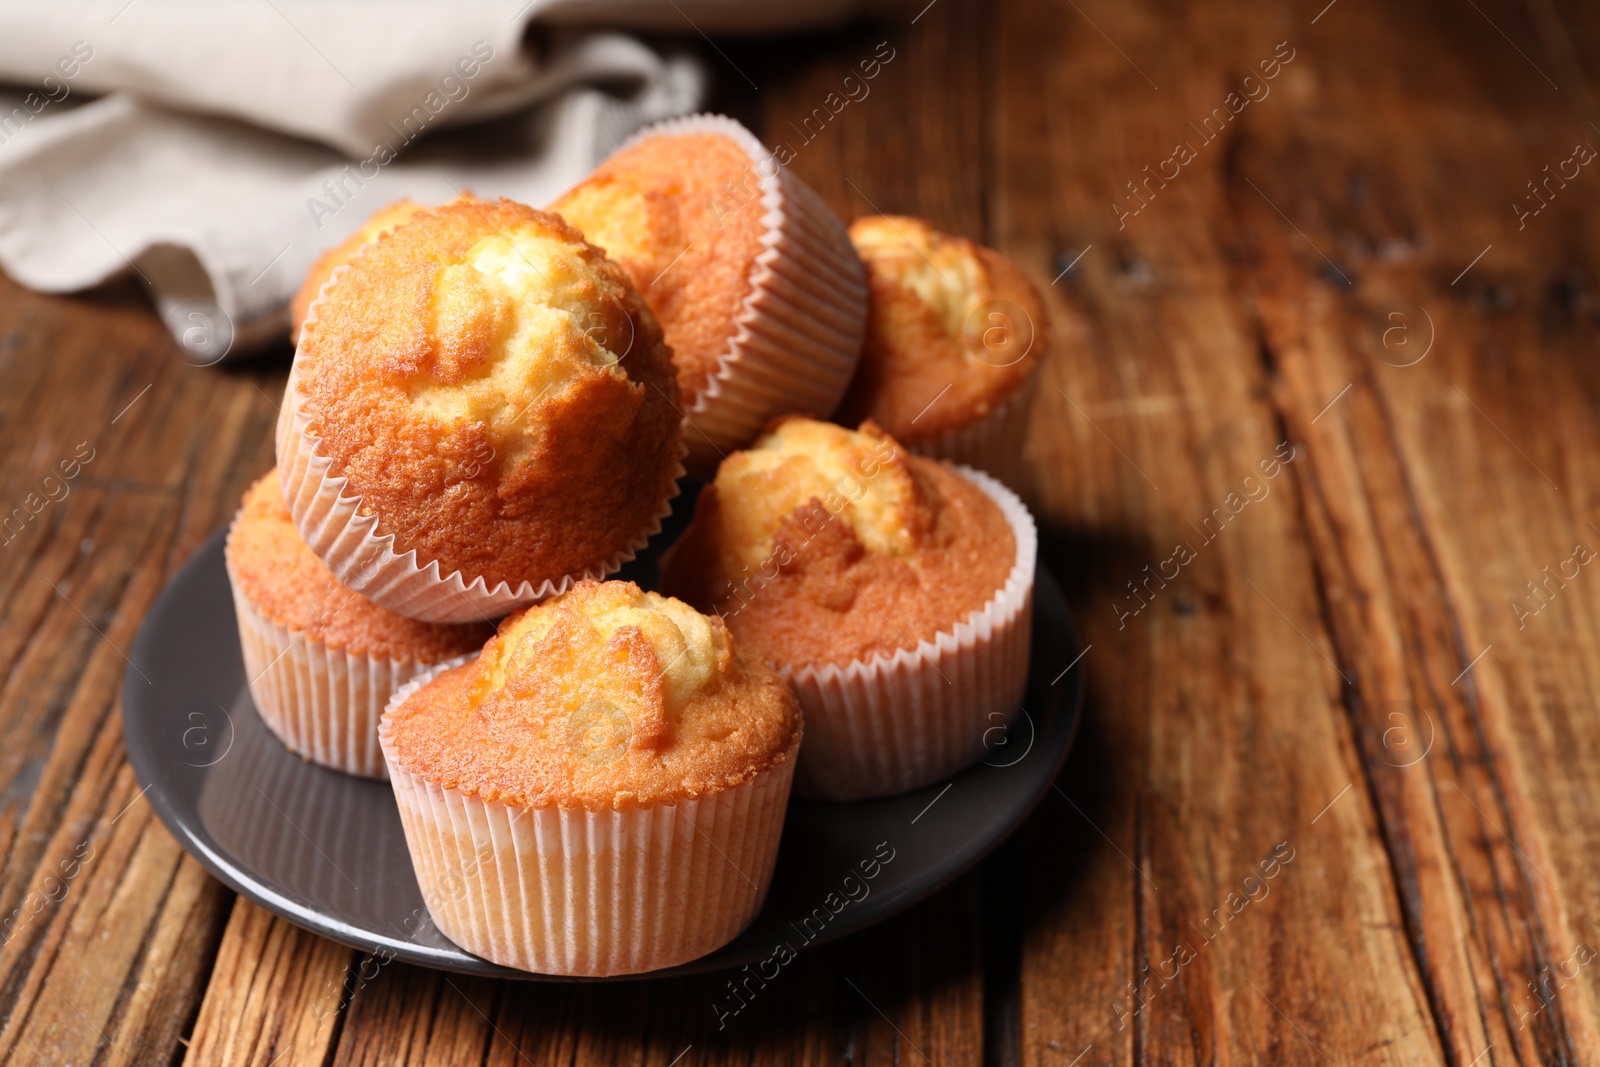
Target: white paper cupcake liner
799	334
994	443
893	723
323	703
580	892
348	541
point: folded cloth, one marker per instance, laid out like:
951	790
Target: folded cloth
235	143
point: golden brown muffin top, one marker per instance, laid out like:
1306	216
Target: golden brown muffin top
952	329
824	545
496	392
277	572
382	221
604	697
683	214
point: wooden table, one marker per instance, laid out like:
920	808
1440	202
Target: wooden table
1334	797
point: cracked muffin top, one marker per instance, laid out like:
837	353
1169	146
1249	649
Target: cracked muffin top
495	391
821	545
952	329
683	214
605	697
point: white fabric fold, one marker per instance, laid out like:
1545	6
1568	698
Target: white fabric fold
234	143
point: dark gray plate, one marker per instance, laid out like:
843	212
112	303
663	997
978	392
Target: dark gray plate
326	851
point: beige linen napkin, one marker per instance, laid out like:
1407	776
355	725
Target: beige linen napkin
234	142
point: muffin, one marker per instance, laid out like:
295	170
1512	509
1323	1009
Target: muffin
481	411
321	660
955	337
383	220
894	591
752	277
601	791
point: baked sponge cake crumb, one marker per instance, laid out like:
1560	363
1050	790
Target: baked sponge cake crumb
495	392
821	545
660	208
602	791
762	297
953	330
606	697
893	591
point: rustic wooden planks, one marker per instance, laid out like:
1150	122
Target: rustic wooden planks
115	928
1425	898
1343	667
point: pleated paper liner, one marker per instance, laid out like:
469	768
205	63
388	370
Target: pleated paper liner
592	893
323	703
894	723
799	334
348	542
994	443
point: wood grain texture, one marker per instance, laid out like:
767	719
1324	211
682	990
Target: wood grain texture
111	927
1339	614
275	993
1333	800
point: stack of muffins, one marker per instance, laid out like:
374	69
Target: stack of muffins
489	413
